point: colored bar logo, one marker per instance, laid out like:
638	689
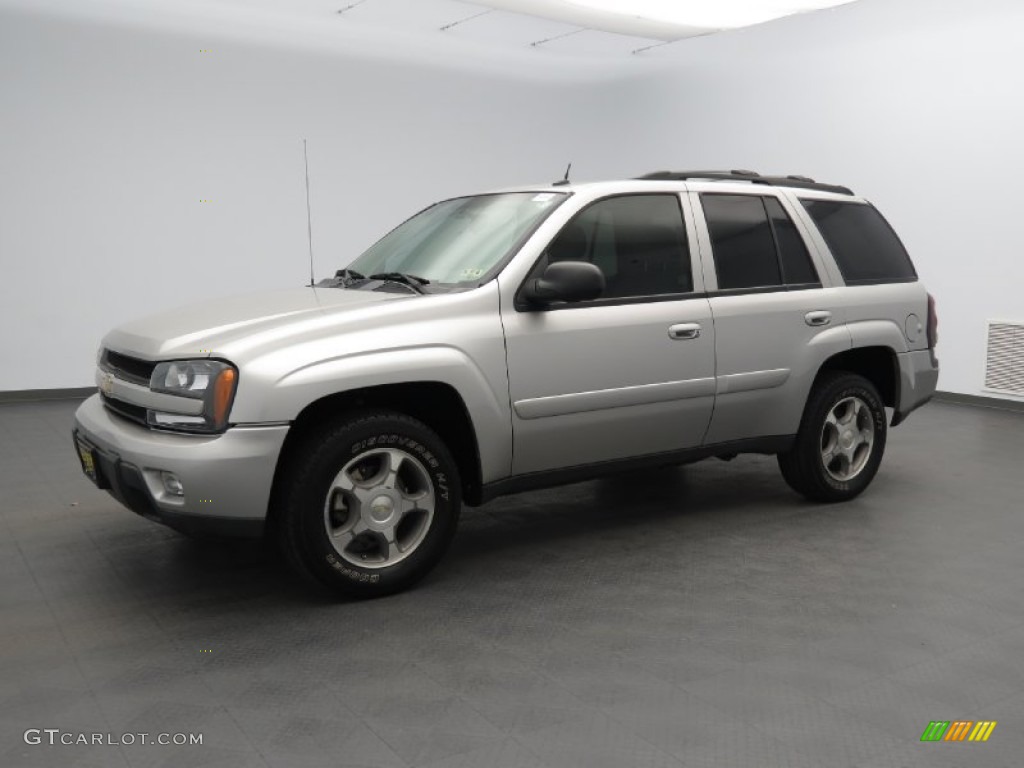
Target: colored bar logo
959	730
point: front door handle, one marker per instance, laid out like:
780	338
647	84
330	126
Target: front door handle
684	331
818	317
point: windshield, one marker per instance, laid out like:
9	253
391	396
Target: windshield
460	240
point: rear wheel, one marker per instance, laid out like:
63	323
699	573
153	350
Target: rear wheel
839	446
369	505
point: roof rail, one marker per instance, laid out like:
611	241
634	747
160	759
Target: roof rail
800	182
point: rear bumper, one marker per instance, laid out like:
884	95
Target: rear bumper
919	376
226	478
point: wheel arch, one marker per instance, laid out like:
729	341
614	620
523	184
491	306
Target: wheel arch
876	363
437	404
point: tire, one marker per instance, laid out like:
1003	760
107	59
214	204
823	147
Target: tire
839	446
369	505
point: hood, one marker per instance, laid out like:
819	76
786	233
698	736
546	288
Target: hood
200	329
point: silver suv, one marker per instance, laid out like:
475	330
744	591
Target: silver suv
513	340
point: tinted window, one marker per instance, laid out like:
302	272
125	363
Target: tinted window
864	245
797	268
741	240
638	241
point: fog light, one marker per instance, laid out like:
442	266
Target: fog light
172	484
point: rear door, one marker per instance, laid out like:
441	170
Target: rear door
776	316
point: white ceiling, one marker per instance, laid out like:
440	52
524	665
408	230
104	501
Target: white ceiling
568	26
564	28
489	22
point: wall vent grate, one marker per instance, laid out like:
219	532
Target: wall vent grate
1004	361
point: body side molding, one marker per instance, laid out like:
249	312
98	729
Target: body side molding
619	397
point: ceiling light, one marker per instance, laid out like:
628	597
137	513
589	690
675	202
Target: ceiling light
712	14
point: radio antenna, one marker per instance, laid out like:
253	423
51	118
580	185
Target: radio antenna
309	215
562	182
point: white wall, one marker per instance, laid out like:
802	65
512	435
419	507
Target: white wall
113	129
915	104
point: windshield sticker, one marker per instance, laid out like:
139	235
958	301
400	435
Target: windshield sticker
470	274
543	197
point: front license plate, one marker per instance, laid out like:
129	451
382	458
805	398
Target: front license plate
88	459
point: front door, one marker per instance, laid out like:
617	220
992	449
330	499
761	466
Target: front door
628	374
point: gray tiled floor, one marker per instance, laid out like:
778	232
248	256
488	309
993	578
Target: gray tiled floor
703	616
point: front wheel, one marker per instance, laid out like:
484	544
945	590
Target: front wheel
370	504
839	446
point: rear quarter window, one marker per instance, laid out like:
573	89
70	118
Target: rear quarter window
865	247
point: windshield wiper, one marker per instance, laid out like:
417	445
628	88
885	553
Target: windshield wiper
348	276
413	281
343	278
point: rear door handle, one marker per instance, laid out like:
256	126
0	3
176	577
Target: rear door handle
684	331
818	317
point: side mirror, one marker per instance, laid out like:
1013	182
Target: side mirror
565	281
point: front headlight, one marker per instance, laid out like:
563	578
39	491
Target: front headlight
211	381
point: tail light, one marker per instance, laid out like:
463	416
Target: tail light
933	323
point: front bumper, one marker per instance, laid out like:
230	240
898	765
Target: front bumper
226	478
919	376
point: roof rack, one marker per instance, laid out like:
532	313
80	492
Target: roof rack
800	182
